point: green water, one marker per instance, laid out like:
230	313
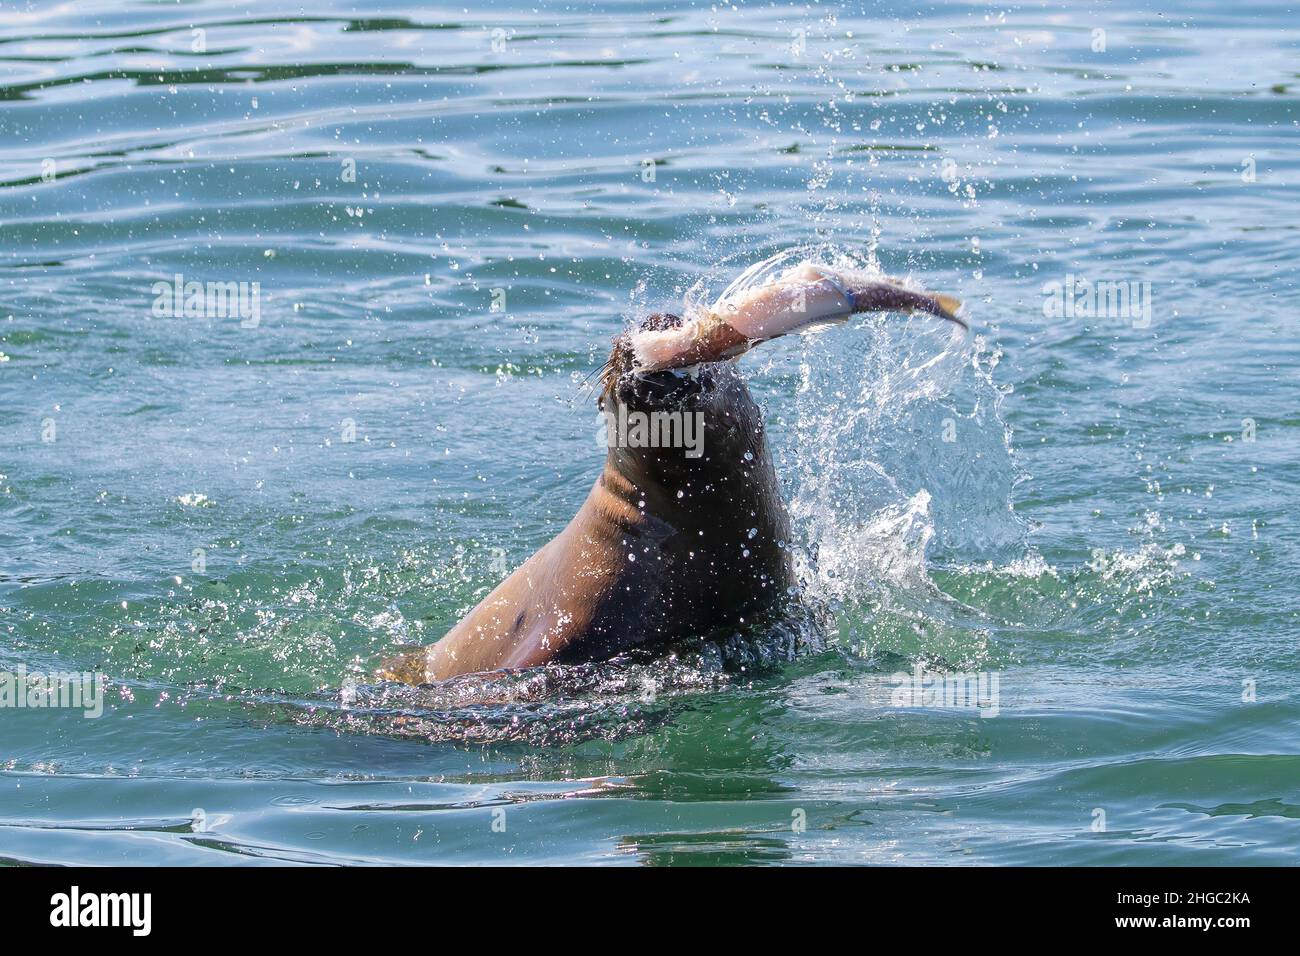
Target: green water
232	521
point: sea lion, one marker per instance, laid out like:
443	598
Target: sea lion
673	541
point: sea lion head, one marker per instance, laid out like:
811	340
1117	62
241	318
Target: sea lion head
671	374
673	432
691	485
705	387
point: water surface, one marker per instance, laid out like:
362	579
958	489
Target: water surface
232	521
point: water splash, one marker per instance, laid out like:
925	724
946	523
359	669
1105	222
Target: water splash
897	460
553	704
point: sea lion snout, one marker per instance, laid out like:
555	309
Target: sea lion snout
659	321
620	377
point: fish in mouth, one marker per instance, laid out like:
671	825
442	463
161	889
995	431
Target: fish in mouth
678	538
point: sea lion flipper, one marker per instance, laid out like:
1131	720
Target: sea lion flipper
409	666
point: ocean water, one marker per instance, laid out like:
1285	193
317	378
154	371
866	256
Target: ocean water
230	517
